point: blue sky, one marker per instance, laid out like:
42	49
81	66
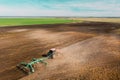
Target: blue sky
99	8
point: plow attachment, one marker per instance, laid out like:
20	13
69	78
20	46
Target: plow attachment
23	67
28	68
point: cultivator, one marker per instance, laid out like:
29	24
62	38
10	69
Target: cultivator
29	67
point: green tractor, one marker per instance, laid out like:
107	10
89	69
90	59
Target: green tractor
28	68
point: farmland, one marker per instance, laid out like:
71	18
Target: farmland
31	21
87	50
113	20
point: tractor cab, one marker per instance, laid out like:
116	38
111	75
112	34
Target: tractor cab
51	53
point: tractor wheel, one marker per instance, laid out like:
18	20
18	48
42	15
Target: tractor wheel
27	70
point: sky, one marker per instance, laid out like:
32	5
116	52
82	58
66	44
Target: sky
84	8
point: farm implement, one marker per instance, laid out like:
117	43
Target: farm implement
29	67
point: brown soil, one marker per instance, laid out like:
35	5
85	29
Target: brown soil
86	50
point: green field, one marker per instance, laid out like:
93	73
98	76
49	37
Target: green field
32	21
